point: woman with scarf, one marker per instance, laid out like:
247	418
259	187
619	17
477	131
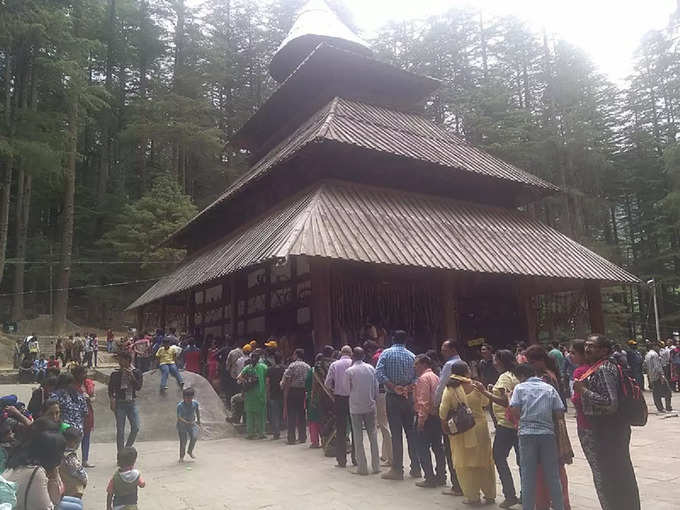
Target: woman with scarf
547	370
470	450
320	413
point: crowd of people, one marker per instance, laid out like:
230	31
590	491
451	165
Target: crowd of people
440	403
443	403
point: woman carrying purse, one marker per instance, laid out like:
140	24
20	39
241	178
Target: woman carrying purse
470	447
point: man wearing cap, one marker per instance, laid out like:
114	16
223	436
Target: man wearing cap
167	362
338	382
271	346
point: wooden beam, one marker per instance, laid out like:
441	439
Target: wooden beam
140	320
163	314
527	306
320	269
594	298
450	322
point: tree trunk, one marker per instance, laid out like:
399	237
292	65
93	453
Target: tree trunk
64	272
4	213
23	208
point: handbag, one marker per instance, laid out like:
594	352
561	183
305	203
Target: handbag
460	419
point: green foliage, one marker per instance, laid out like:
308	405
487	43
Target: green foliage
162	88
146	223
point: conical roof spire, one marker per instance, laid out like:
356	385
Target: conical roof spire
315	23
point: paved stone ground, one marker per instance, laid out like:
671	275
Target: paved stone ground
238	474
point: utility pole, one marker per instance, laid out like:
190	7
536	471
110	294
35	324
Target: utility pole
652	284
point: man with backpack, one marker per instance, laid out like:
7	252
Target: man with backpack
612	401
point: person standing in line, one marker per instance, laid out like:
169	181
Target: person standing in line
293	385
233	372
124	384
338	383
253	378
599	390
546	369
535	404
396	372
373	352
167	362
449	350
275	394
471	449
86	387
657	379
188	422
506	432
428	430
363	389
583	426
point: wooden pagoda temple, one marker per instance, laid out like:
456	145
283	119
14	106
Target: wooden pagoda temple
358	210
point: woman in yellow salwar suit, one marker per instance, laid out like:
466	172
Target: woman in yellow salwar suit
471	450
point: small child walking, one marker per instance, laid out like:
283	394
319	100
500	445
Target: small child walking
188	421
123	486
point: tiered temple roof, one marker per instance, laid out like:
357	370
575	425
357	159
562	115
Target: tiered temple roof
381	184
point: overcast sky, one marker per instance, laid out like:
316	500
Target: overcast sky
608	30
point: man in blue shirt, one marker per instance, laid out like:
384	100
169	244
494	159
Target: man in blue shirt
535	403
396	371
449	352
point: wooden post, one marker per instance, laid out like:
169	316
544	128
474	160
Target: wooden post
233	303
450	324
140	320
163	314
321	302
594	298
527	304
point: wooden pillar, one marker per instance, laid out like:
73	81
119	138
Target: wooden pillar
527	305
140	320
163	314
190	309
233	304
594	298
321	302
450	323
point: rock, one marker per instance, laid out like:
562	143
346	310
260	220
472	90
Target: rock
158	412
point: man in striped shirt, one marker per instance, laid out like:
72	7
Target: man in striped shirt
535	404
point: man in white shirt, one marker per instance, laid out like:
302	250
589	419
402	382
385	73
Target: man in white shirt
657	378
363	390
338	383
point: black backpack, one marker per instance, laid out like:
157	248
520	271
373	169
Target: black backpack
632	404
